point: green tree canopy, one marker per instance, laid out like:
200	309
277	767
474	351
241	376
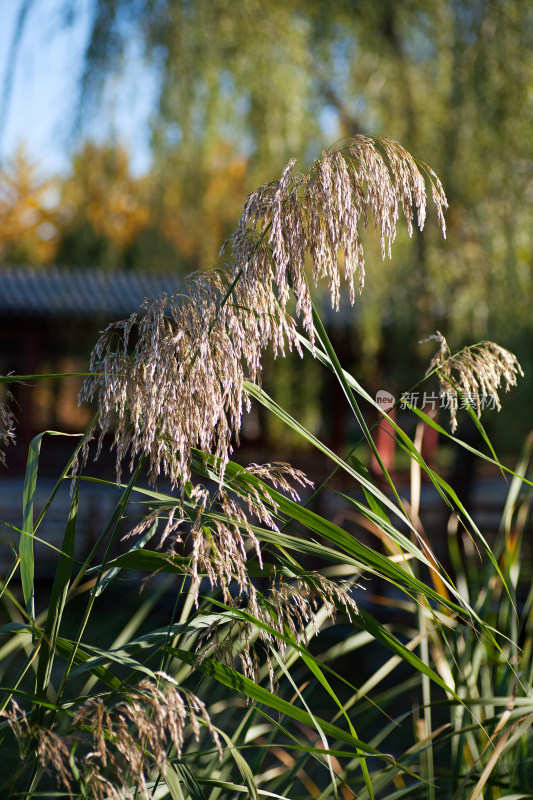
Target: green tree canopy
448	79
255	83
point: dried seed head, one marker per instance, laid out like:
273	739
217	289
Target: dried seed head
180	386
117	748
221	533
134	735
19	724
54	754
289	608
217	528
52	751
7	427
318	215
475	374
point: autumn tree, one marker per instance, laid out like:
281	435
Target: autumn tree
29	224
113	219
104	208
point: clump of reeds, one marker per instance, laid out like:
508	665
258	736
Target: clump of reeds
220	546
171	380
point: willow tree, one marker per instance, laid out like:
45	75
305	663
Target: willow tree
266	81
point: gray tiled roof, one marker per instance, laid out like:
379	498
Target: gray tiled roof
91	292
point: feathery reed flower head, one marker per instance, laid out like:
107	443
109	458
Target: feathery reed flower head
288	609
7	427
117	748
221	539
219	528
318	215
476	374
180	386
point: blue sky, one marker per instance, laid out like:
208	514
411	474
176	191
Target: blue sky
45	83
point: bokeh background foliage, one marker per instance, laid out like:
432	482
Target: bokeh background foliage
241	88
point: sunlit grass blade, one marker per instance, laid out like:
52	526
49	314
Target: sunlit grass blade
323	338
266	401
189	780
112	572
173	783
239	788
28	527
146	561
77	655
465	445
26	539
234	680
242	765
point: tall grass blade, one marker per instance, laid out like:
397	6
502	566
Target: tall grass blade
189	780
266	401
234	680
242	766
28	528
173	783
57	600
26	539
339	372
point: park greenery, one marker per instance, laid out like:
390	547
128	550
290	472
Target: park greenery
234	630
239	91
254	663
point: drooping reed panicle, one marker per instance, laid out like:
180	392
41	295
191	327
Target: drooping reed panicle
180	386
172	379
475	374
113	750
7	426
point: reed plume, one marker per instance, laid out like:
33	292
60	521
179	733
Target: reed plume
114	750
171	380
7	426
180	385
474	375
